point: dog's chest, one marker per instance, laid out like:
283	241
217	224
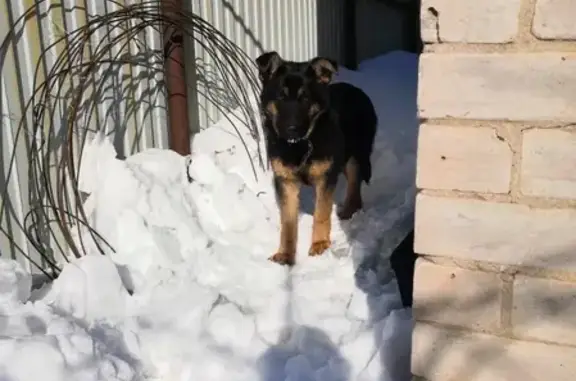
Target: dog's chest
292	154
307	173
305	178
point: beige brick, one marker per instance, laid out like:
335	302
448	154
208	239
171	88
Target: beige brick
522	86
440	354
554	19
428	26
510	234
463	158
487	21
545	310
456	296
549	163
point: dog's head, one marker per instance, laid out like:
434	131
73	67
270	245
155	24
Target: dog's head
294	93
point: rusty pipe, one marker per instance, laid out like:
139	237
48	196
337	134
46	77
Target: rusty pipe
175	77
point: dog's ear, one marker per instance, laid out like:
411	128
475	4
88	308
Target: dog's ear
267	64
323	69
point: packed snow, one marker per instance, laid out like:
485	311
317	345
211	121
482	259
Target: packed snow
188	293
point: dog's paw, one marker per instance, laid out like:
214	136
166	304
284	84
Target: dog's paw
288	259
318	248
345	212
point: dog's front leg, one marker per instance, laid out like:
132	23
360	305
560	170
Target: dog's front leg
322	212
287	194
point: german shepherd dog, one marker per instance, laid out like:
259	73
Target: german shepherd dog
314	131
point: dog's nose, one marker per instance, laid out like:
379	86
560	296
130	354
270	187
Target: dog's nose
292	129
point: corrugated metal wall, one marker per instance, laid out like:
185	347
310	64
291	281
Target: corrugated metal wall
297	29
129	106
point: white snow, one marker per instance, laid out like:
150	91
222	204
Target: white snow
188	293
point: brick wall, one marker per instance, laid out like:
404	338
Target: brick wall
495	287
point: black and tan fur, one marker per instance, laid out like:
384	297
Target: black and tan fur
314	131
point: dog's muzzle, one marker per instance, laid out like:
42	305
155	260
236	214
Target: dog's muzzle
292	131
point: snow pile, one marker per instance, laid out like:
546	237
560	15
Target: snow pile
192	237
41	340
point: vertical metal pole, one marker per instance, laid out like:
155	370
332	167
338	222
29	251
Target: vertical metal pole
179	128
191	77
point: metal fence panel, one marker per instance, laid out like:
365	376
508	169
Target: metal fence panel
129	106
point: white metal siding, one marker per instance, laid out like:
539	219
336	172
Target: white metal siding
131	108
296	29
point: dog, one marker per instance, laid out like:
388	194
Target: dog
314	130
